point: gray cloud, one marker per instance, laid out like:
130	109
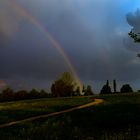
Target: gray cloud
134	20
92	33
9	18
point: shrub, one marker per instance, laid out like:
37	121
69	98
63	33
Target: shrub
126	89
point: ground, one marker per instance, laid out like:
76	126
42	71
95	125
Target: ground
117	118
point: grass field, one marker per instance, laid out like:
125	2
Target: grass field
118	118
18	110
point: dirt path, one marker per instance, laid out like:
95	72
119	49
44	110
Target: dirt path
96	102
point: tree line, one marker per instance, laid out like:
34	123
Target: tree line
8	94
106	89
64	86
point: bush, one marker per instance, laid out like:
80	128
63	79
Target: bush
126	89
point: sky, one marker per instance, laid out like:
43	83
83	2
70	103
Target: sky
93	34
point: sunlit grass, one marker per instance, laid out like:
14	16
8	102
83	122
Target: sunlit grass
116	119
18	110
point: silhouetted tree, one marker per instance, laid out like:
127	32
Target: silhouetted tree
53	90
107	83
8	94
43	93
33	93
135	36
22	94
77	92
64	86
88	91
126	89
84	89
106	89
114	86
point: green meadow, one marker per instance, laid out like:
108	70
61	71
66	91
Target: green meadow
18	110
118	118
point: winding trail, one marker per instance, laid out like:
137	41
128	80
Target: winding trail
96	102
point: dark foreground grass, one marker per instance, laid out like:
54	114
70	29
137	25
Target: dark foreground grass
118	118
18	110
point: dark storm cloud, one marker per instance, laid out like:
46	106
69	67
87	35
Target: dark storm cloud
95	43
91	32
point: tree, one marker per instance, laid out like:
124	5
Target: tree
64	86
34	93
22	94
89	91
106	88
107	83
43	93
53	90
8	94
84	89
135	36
114	86
126	89
77	91
59	88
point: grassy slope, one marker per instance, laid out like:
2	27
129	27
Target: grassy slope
116	119
18	110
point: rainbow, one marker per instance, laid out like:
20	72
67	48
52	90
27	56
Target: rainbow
48	35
